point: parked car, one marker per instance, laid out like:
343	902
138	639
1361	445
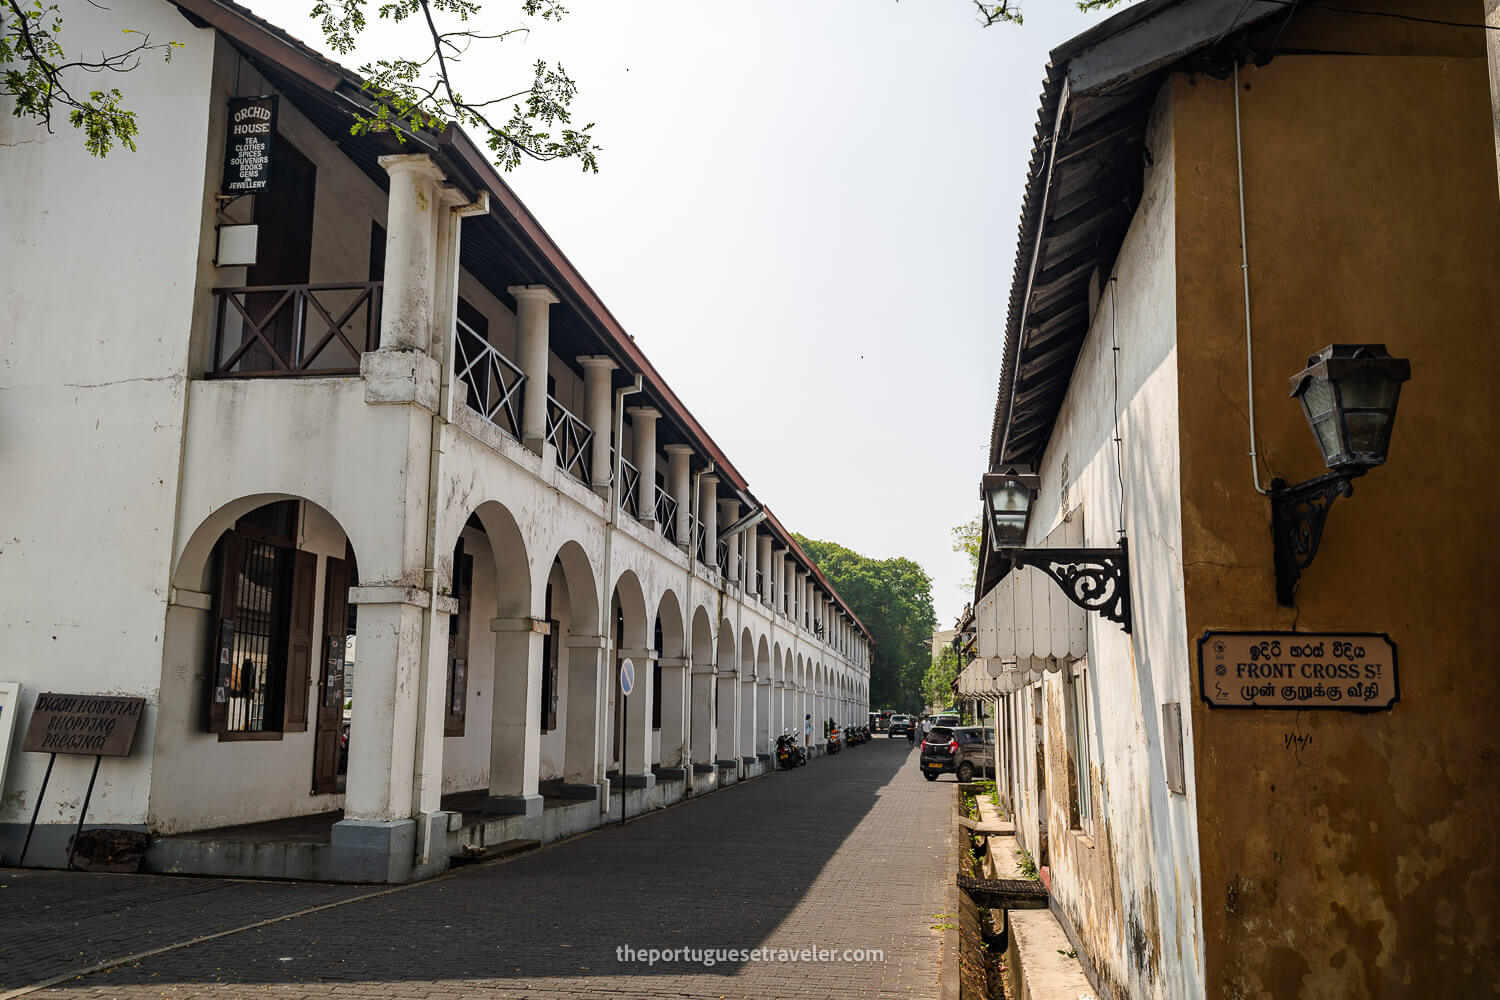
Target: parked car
899	725
949	719
964	751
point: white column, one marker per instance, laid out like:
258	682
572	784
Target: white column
680	485
748	749
515	726
705	736
729	512
763	715
379	787
413	209
583	753
636	747
598	407
708	512
763	560
643	423
533	347
751	551
674	711
788	583
728	748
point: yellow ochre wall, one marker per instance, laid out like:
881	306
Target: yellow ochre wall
1348	854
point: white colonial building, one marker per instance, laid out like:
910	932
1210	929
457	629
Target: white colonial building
372	523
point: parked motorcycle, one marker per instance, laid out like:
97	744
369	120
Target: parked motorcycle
833	740
788	753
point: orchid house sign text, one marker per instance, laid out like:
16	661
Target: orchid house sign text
1352	671
250	145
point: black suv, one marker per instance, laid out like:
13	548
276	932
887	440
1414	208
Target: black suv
964	751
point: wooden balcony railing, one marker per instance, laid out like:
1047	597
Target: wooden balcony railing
495	383
280	330
573	439
666	514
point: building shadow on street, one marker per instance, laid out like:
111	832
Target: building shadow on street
718	872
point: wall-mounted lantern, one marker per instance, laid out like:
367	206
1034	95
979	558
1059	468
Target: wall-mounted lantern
1349	394
1009	494
1094	579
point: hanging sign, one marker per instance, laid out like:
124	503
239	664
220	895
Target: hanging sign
90	724
1348	670
250	144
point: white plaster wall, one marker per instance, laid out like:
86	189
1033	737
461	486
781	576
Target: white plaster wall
350	463
1151	833
97	295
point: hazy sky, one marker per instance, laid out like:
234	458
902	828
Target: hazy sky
805	214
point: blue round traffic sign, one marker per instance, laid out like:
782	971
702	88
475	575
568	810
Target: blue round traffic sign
627	677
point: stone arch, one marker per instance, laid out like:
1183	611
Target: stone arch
727	694
223	680
670	634
630	637
514	593
702	693
577	574
747	655
577	653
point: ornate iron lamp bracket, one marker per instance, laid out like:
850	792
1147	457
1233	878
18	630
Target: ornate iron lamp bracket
1094	579
1297	517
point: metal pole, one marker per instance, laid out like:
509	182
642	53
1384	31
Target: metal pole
625	744
36	810
73	844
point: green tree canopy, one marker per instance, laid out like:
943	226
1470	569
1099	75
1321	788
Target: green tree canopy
937	682
893	598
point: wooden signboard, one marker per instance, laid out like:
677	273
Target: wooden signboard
90	724
1354	671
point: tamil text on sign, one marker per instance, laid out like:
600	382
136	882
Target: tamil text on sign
1354	670
84	724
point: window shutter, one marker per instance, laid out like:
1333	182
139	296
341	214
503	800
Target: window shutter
221	642
330	699
550	643
458	644
299	644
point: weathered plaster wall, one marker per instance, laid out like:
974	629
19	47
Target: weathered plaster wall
1129	881
1348	854
93	352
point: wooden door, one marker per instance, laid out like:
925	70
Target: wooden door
328	739
283	256
456	691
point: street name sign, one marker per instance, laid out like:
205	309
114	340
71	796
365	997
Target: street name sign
1354	671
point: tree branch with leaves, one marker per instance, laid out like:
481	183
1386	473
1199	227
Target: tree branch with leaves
421	93
35	72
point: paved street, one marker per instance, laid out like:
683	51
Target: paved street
851	852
